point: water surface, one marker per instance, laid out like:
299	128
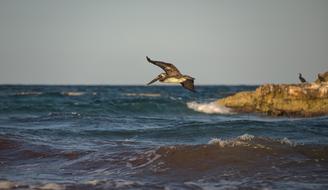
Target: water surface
137	137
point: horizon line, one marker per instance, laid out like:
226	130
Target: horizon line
94	84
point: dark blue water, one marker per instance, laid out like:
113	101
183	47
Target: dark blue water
136	137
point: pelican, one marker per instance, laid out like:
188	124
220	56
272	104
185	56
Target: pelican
172	75
301	78
321	78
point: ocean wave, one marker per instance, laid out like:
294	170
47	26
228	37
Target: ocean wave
240	140
25	151
28	93
143	94
53	93
242	157
250	140
6	184
72	93
6	143
209	108
239	152
84	185
149	156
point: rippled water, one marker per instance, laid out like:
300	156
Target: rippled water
136	137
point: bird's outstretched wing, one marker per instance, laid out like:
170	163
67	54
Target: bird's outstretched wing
189	84
169	68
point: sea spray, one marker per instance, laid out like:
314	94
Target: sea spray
240	140
209	108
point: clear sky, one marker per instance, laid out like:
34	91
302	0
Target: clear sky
216	41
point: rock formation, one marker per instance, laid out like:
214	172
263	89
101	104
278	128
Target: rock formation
305	100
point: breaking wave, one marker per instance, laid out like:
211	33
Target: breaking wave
239	152
251	140
209	108
72	93
58	94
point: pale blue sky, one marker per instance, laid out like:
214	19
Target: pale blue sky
216	41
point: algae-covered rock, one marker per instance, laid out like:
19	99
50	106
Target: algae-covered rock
307	99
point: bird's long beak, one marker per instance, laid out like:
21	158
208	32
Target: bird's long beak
154	80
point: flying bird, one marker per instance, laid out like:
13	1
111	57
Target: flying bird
301	78
172	75
321	78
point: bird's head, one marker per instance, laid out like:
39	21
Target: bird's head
162	75
159	77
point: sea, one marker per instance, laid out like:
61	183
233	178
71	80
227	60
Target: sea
152	137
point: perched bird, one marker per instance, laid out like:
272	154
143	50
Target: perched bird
321	78
172	75
301	78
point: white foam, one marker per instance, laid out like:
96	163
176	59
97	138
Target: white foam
51	186
240	140
246	137
209	108
28	93
287	141
121	183
247	140
149	156
143	94
72	93
93	182
218	141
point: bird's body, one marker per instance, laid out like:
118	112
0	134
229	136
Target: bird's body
172	75
321	78
301	78
174	80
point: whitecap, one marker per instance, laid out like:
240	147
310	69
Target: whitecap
240	140
287	141
72	93
143	94
218	141
250	140
246	137
32	93
51	186
93	182
209	108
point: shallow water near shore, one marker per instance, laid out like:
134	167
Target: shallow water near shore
156	137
